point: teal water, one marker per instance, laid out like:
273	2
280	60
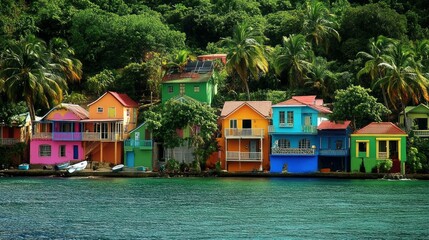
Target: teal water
212	208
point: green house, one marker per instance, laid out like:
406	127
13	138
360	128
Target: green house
378	142
417	120
138	148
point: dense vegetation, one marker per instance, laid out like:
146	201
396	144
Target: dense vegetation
73	50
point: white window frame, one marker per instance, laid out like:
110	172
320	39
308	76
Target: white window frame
100	109
45	150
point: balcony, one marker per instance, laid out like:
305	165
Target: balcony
142	144
309	129
78	136
42	135
244	156
333	152
244	133
382	155
293	151
67	136
421	133
287	128
8	141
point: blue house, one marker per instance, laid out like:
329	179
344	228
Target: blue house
334	145
294	138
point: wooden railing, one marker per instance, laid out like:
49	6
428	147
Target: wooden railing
421	133
382	155
293	151
8	141
304	129
78	136
244	132
138	143
244	156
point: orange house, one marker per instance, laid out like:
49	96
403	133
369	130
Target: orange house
245	142
111	117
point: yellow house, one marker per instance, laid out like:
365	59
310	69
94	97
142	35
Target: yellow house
111	117
244	142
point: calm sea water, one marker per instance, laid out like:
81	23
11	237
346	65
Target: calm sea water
212	208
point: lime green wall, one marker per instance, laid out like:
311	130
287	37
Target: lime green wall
370	158
205	94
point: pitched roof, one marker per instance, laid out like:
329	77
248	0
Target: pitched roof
380	128
261	107
421	108
124	99
77	110
330	125
310	101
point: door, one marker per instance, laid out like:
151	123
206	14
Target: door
247	127
130	159
253	149
75	152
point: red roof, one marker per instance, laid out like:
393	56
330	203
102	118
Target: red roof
310	101
380	128
330	125
124	99
262	107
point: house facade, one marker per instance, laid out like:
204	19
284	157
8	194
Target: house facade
334	145
417	118
138	148
378	142
19	130
245	141
294	140
69	132
57	136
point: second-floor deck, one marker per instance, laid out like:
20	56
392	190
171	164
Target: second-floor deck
79	136
421	133
142	144
293	151
243	156
9	141
305	129
333	152
244	133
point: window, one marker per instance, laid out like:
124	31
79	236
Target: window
290	118
304	143
362	147
339	144
170	89
45	150
62	151
233	123
128	112
182	88
284	143
196	88
282	117
99	109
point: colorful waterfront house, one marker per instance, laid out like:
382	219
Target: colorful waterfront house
245	142
195	80
57	136
378	142
18	130
417	120
334	148
294	139
111	119
138	148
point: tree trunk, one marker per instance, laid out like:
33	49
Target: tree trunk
407	128
247	90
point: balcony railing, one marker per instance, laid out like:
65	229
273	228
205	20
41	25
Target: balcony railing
8	141
78	136
333	152
382	155
421	133
138	143
304	129
293	151
244	156
244	132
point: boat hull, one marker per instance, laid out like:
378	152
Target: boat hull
24	166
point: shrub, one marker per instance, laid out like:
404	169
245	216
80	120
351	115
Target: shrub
384	166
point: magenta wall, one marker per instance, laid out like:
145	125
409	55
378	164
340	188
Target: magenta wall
55	148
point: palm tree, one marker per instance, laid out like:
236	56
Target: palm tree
29	75
319	24
295	59
246	54
403	80
62	55
179	60
320	78
378	49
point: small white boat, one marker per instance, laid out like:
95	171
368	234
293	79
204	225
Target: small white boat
77	167
118	168
24	166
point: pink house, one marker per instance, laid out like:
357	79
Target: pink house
57	136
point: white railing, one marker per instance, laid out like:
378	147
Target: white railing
244	132
293	151
382	155
8	141
42	135
244	156
138	143
101	136
421	133
309	129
